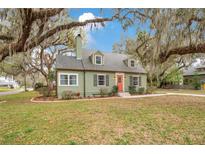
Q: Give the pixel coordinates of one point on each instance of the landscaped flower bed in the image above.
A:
(42, 98)
(52, 98)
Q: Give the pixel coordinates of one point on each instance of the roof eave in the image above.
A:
(74, 69)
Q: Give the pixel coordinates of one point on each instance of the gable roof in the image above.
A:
(112, 62)
(98, 53)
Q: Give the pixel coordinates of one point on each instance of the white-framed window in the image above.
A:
(132, 63)
(68, 79)
(73, 80)
(135, 81)
(63, 79)
(101, 80)
(98, 59)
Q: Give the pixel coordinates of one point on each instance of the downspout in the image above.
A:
(84, 85)
(56, 83)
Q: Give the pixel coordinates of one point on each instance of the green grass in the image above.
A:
(156, 120)
(186, 91)
(5, 89)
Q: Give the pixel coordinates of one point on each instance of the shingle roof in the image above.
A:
(112, 62)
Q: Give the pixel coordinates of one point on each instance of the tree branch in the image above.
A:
(28, 17)
(42, 13)
(199, 48)
(64, 27)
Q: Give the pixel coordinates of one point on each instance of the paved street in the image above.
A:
(11, 92)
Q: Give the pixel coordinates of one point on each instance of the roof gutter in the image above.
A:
(74, 69)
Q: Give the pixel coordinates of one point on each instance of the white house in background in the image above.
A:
(8, 82)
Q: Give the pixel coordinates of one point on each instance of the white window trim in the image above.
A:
(76, 80)
(68, 74)
(104, 82)
(60, 79)
(101, 59)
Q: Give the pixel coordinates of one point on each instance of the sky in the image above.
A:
(102, 38)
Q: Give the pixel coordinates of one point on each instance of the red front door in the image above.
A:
(120, 83)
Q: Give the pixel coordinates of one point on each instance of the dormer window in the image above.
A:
(98, 59)
(132, 63)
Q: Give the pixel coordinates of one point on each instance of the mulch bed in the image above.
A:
(42, 98)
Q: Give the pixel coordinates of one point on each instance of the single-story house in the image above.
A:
(6, 81)
(89, 71)
(194, 73)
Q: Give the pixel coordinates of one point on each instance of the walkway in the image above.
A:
(11, 92)
(166, 94)
(184, 94)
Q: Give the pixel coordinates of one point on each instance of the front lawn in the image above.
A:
(154, 120)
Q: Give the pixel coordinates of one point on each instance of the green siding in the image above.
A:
(91, 89)
(89, 82)
(143, 81)
(78, 88)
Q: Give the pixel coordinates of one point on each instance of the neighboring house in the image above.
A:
(194, 73)
(88, 72)
(8, 82)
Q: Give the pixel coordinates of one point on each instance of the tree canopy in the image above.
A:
(174, 31)
(165, 38)
(24, 29)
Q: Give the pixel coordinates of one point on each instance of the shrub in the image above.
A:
(78, 94)
(132, 90)
(115, 89)
(150, 90)
(196, 85)
(44, 91)
(38, 85)
(67, 94)
(103, 91)
(110, 94)
(141, 90)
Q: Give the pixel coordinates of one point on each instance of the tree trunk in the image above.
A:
(50, 88)
(150, 80)
(49, 85)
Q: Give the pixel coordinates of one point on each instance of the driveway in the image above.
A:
(11, 92)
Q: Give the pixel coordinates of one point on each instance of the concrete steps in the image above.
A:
(124, 94)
